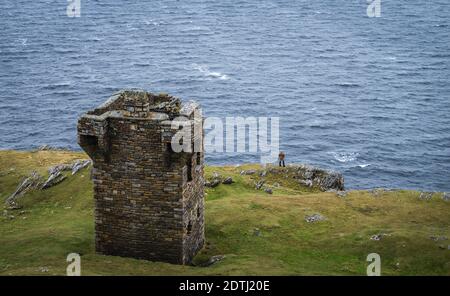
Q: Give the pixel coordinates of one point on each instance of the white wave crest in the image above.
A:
(345, 156)
(205, 70)
(363, 165)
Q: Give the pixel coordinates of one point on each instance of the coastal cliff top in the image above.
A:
(259, 221)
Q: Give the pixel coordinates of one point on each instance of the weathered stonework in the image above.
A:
(149, 200)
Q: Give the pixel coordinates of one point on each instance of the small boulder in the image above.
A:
(212, 183)
(259, 184)
(45, 148)
(248, 172)
(306, 183)
(227, 181)
(376, 192)
(437, 238)
(314, 218)
(341, 194)
(268, 191)
(379, 236)
(446, 196)
(213, 260)
(425, 195)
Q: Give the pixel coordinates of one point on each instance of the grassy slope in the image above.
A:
(59, 221)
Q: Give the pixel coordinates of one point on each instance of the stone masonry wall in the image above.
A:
(149, 200)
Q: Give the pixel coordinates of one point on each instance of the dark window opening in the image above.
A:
(189, 169)
(168, 155)
(89, 140)
(89, 143)
(189, 228)
(198, 158)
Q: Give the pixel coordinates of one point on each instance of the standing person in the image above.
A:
(281, 157)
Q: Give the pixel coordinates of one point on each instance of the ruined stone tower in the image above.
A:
(149, 200)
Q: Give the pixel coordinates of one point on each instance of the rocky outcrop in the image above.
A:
(331, 180)
(248, 172)
(54, 178)
(311, 177)
(36, 181)
(217, 179)
(425, 195)
(33, 181)
(79, 165)
(56, 175)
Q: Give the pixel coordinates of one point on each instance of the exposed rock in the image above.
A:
(438, 238)
(213, 260)
(375, 237)
(56, 175)
(310, 176)
(59, 168)
(307, 183)
(376, 192)
(248, 172)
(45, 148)
(333, 180)
(263, 173)
(212, 183)
(259, 184)
(341, 194)
(55, 178)
(256, 232)
(268, 191)
(79, 165)
(216, 175)
(314, 218)
(446, 196)
(425, 195)
(43, 269)
(227, 181)
(379, 236)
(31, 182)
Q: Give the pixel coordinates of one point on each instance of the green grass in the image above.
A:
(59, 221)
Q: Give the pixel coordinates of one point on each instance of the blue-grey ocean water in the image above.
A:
(366, 96)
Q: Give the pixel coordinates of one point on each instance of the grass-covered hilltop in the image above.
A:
(264, 223)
